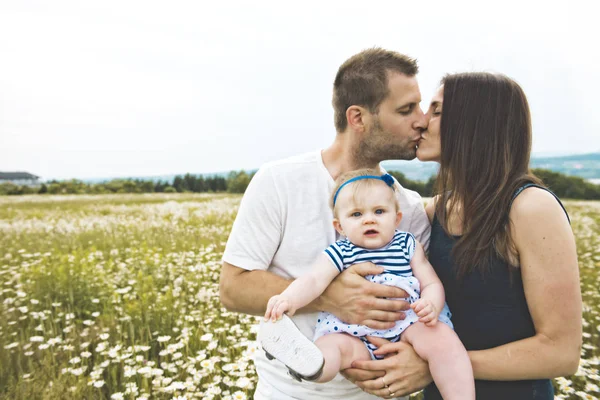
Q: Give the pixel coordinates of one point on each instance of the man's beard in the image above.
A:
(378, 145)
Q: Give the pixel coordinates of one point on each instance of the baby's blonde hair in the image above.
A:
(358, 185)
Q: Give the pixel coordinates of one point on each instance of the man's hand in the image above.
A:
(403, 370)
(355, 300)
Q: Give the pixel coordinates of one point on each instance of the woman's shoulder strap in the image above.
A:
(528, 185)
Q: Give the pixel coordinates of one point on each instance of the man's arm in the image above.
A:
(350, 297)
(248, 291)
(304, 289)
(246, 284)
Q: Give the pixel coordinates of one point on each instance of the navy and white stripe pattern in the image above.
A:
(394, 257)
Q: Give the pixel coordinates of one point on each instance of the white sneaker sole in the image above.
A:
(284, 341)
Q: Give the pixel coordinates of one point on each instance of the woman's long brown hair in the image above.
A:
(486, 145)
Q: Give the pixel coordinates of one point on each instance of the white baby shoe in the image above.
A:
(284, 341)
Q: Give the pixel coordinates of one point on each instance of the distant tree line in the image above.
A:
(567, 187)
(564, 186)
(235, 182)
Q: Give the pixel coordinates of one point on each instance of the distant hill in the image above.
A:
(414, 169)
(586, 166)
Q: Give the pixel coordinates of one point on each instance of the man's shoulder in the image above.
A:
(294, 164)
(295, 161)
(408, 198)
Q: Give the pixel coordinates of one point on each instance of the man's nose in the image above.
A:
(421, 121)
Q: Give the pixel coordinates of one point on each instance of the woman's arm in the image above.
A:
(550, 273)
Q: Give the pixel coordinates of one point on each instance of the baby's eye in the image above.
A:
(379, 211)
(356, 214)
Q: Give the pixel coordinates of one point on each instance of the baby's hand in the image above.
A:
(426, 311)
(276, 306)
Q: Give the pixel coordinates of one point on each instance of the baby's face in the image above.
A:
(368, 218)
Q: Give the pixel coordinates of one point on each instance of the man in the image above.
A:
(284, 220)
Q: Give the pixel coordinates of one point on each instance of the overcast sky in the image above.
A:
(140, 88)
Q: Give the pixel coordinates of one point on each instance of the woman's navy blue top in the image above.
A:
(488, 310)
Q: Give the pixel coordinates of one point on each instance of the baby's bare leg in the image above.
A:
(449, 362)
(339, 350)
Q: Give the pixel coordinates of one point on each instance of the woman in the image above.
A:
(501, 244)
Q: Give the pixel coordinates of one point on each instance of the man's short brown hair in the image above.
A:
(363, 80)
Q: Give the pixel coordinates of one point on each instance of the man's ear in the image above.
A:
(398, 218)
(358, 118)
(338, 227)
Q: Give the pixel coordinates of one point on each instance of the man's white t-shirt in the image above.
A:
(284, 222)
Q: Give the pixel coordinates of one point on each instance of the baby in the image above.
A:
(366, 212)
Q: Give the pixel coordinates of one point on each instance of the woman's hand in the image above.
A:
(355, 300)
(276, 306)
(402, 370)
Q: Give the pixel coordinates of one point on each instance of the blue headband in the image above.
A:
(387, 178)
